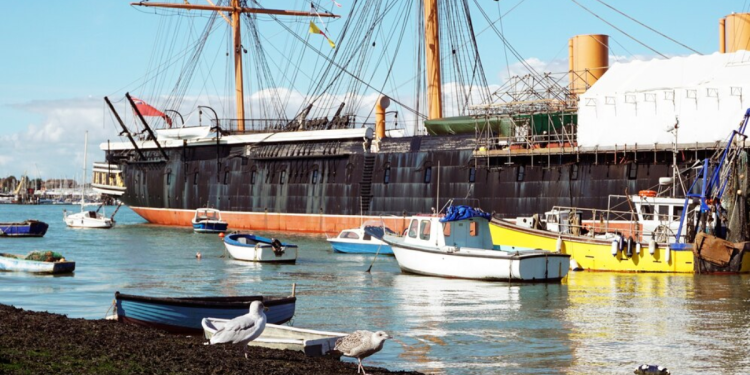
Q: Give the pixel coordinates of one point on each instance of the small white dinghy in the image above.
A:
(252, 248)
(312, 343)
(460, 245)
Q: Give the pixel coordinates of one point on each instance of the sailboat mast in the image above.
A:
(432, 59)
(83, 180)
(238, 86)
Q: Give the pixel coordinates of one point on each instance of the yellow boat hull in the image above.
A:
(596, 255)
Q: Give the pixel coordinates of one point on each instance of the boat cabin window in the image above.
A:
(663, 212)
(252, 177)
(447, 229)
(349, 235)
(314, 176)
(677, 212)
(424, 230)
(648, 213)
(552, 219)
(367, 237)
(473, 229)
(413, 229)
(387, 175)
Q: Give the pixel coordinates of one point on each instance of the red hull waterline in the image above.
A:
(269, 221)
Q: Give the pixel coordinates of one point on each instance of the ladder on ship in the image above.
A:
(365, 187)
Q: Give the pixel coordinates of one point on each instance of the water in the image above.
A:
(592, 323)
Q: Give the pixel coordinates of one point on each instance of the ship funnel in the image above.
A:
(382, 103)
(589, 59)
(734, 33)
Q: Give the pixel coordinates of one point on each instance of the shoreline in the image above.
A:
(42, 342)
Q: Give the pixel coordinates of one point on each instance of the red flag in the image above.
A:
(147, 110)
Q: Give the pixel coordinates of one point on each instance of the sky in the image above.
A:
(60, 58)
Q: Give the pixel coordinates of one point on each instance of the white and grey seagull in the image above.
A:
(244, 328)
(361, 344)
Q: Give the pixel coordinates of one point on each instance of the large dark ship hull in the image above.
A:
(328, 186)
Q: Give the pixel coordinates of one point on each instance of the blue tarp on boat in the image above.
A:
(456, 213)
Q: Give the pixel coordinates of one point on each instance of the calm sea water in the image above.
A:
(592, 323)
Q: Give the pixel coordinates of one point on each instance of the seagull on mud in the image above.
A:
(360, 345)
(244, 328)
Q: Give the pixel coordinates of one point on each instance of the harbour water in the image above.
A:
(604, 323)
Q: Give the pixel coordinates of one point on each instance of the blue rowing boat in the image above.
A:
(19, 263)
(184, 314)
(28, 228)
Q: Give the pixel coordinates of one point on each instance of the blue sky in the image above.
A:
(59, 58)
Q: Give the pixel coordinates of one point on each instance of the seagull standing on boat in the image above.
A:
(361, 344)
(243, 329)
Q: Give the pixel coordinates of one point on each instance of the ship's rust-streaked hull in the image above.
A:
(304, 223)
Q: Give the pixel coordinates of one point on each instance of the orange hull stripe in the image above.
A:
(302, 223)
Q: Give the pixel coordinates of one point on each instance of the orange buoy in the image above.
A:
(647, 193)
(221, 234)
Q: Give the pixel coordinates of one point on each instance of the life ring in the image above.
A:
(647, 193)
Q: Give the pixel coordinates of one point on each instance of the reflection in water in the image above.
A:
(592, 323)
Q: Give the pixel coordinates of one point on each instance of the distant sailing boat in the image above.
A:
(87, 219)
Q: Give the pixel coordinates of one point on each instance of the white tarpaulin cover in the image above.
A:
(635, 102)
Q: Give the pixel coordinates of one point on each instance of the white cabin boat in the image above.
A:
(208, 220)
(359, 241)
(460, 245)
(85, 218)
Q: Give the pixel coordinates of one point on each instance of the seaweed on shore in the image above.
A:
(41, 342)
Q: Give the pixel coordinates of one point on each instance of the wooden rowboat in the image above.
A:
(312, 343)
(252, 248)
(13, 262)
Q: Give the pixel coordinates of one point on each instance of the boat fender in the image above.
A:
(652, 247)
(629, 247)
(638, 248)
(667, 253)
(621, 242)
(559, 244)
(615, 247)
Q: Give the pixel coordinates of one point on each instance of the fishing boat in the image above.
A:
(459, 245)
(36, 262)
(184, 314)
(358, 241)
(311, 342)
(28, 228)
(87, 218)
(208, 220)
(252, 248)
(702, 232)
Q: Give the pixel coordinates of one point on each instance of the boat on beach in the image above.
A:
(28, 228)
(36, 262)
(208, 220)
(363, 240)
(184, 314)
(311, 342)
(253, 248)
(459, 245)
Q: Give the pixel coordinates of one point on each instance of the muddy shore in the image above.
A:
(45, 343)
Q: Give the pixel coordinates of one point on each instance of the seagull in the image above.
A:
(361, 344)
(244, 328)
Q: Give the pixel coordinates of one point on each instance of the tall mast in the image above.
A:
(238, 86)
(432, 58)
(236, 10)
(83, 181)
